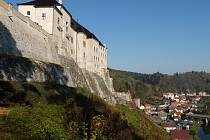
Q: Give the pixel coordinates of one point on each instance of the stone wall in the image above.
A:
(21, 37)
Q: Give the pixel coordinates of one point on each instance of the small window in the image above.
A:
(84, 44)
(58, 20)
(43, 16)
(28, 13)
(67, 26)
(72, 52)
(72, 40)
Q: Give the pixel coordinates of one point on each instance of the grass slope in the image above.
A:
(50, 111)
(145, 127)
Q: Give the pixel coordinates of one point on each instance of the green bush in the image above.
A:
(40, 122)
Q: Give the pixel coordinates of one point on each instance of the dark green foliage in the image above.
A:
(40, 122)
(206, 102)
(208, 108)
(144, 85)
(125, 81)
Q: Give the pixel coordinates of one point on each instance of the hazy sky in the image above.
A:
(149, 35)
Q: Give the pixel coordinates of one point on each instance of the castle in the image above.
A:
(71, 39)
(60, 50)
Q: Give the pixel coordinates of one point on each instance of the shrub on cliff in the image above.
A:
(40, 122)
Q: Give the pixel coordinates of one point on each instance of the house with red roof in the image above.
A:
(168, 126)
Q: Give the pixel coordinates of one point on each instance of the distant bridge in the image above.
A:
(199, 116)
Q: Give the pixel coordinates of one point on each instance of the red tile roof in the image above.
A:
(147, 106)
(180, 135)
(174, 104)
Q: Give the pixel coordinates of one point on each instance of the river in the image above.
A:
(204, 133)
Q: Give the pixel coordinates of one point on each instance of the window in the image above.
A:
(28, 13)
(72, 40)
(43, 16)
(58, 21)
(67, 26)
(84, 44)
(72, 52)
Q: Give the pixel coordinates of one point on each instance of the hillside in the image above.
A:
(50, 111)
(155, 84)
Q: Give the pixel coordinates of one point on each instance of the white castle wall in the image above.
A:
(86, 51)
(30, 39)
(47, 23)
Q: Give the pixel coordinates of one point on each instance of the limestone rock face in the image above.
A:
(24, 69)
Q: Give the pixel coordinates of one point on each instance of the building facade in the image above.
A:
(72, 40)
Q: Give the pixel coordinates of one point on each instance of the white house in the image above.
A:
(169, 126)
(169, 95)
(72, 40)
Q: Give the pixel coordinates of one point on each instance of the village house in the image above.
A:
(179, 109)
(163, 116)
(142, 107)
(173, 106)
(203, 94)
(147, 106)
(196, 98)
(184, 125)
(176, 115)
(169, 95)
(169, 126)
(177, 98)
(183, 99)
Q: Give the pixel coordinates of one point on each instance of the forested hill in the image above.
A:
(157, 83)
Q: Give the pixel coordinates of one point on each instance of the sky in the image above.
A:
(148, 36)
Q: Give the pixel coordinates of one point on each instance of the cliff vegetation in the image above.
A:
(51, 111)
